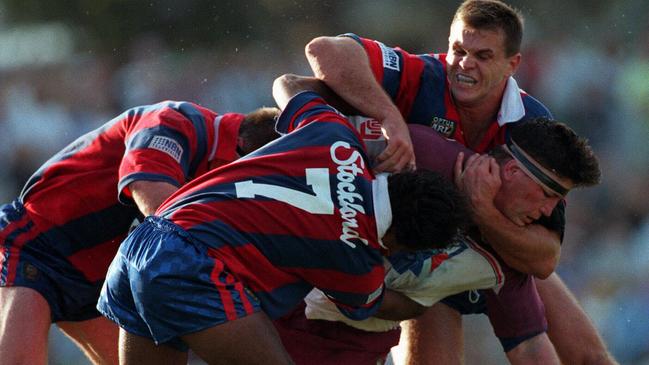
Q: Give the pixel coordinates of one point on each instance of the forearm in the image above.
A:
(532, 249)
(343, 65)
(148, 195)
(397, 307)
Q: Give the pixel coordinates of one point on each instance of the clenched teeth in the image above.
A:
(465, 79)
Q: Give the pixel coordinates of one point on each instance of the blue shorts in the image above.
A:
(163, 285)
(468, 302)
(27, 260)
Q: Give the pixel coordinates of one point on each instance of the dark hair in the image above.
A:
(427, 209)
(258, 128)
(558, 148)
(494, 15)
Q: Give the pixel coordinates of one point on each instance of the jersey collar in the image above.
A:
(382, 208)
(511, 107)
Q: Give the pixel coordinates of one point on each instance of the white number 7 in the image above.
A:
(318, 179)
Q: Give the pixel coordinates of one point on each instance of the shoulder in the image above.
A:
(533, 107)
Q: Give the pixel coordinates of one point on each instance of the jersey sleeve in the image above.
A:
(429, 276)
(164, 142)
(305, 108)
(397, 71)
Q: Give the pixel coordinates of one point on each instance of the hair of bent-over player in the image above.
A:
(427, 209)
(494, 15)
(258, 128)
(557, 148)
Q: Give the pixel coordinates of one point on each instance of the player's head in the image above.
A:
(484, 50)
(427, 210)
(496, 16)
(540, 162)
(257, 129)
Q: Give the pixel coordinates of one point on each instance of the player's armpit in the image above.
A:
(148, 195)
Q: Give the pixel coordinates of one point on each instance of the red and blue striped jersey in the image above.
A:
(418, 86)
(81, 195)
(296, 214)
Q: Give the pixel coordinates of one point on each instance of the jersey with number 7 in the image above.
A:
(297, 213)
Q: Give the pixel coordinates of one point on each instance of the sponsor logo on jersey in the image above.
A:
(30, 271)
(350, 202)
(444, 126)
(371, 129)
(390, 57)
(168, 146)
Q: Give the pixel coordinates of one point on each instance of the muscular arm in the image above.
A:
(396, 306)
(148, 195)
(343, 65)
(569, 328)
(435, 337)
(531, 249)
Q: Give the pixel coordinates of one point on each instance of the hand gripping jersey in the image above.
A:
(298, 213)
(75, 210)
(418, 86)
(301, 212)
(426, 276)
(515, 308)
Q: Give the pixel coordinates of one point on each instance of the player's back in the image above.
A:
(295, 214)
(74, 197)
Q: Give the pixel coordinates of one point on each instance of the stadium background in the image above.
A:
(68, 66)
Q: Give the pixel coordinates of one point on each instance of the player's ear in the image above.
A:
(509, 169)
(514, 62)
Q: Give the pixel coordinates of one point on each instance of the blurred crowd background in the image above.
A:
(67, 67)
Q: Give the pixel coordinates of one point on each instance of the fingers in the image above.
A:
(457, 169)
(395, 162)
(494, 167)
(397, 156)
(477, 163)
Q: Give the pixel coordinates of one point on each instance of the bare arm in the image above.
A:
(435, 337)
(396, 306)
(148, 195)
(569, 328)
(343, 65)
(531, 249)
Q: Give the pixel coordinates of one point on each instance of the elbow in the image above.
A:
(543, 270)
(289, 85)
(319, 47)
(323, 54)
(280, 90)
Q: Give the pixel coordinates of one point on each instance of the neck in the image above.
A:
(475, 123)
(476, 118)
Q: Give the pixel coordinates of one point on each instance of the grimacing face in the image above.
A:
(520, 198)
(477, 67)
